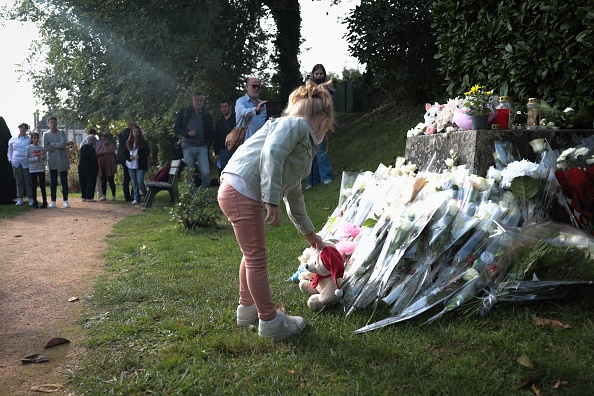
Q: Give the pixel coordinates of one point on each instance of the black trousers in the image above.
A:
(126, 185)
(38, 176)
(87, 178)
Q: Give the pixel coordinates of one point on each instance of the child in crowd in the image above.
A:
(36, 159)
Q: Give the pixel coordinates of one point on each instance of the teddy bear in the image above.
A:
(323, 278)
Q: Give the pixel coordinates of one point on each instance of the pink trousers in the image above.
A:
(247, 217)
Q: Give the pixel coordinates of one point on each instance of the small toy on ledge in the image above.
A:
(322, 280)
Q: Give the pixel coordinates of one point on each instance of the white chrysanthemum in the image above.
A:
(519, 168)
(538, 145)
(494, 174)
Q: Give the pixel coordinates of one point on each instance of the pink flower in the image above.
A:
(431, 129)
(350, 230)
(346, 247)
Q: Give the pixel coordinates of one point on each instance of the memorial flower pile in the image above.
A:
(433, 242)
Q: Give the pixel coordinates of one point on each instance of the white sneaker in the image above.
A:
(66, 205)
(247, 316)
(102, 198)
(327, 182)
(84, 200)
(307, 187)
(135, 202)
(19, 202)
(113, 197)
(52, 205)
(286, 326)
(31, 201)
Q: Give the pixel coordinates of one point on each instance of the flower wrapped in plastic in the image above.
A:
(540, 261)
(575, 175)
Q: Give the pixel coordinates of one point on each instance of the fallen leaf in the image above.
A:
(291, 372)
(559, 384)
(47, 388)
(35, 358)
(18, 236)
(280, 307)
(302, 381)
(525, 361)
(71, 299)
(526, 382)
(550, 322)
(56, 341)
(535, 390)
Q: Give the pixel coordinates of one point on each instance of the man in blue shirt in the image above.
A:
(250, 107)
(194, 126)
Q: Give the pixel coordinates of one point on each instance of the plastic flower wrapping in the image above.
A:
(433, 242)
(575, 174)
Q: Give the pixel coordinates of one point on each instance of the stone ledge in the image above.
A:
(475, 148)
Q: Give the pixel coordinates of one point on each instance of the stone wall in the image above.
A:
(475, 148)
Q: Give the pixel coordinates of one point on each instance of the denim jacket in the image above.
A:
(274, 161)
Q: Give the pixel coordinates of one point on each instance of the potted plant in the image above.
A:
(480, 106)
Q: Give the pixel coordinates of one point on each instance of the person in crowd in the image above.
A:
(137, 153)
(224, 125)
(107, 166)
(93, 132)
(267, 167)
(17, 156)
(87, 169)
(121, 159)
(194, 125)
(55, 144)
(36, 160)
(249, 108)
(321, 170)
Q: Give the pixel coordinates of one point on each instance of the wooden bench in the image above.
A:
(170, 185)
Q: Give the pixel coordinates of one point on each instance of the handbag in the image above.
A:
(235, 138)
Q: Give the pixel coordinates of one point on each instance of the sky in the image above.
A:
(321, 31)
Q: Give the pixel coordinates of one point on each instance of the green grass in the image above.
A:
(162, 317)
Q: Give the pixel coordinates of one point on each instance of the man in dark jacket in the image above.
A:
(224, 125)
(194, 125)
(122, 138)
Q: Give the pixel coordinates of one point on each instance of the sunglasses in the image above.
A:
(255, 86)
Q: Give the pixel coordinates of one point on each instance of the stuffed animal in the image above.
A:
(322, 282)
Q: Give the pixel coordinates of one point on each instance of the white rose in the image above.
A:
(494, 174)
(449, 162)
(538, 145)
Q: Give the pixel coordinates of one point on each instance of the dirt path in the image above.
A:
(46, 257)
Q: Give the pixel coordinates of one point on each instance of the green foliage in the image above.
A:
(524, 187)
(394, 39)
(196, 210)
(526, 48)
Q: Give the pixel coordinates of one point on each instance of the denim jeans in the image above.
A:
(199, 155)
(137, 178)
(321, 169)
(54, 184)
(224, 157)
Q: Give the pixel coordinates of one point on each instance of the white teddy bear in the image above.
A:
(325, 269)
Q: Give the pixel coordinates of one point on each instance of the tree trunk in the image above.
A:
(287, 15)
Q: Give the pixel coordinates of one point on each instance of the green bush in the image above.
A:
(198, 210)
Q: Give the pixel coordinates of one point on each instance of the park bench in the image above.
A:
(170, 185)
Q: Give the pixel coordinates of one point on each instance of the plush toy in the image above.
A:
(322, 282)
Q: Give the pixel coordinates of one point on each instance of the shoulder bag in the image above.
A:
(235, 138)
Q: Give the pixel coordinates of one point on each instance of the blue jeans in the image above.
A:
(197, 155)
(321, 168)
(224, 157)
(54, 184)
(137, 178)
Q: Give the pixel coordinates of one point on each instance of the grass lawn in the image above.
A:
(162, 317)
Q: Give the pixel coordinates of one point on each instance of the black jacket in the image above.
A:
(183, 118)
(222, 129)
(122, 139)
